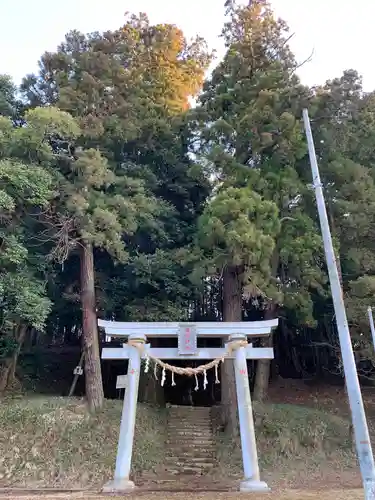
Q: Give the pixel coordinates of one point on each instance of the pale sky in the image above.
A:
(340, 32)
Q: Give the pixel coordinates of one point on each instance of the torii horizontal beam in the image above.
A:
(203, 329)
(170, 353)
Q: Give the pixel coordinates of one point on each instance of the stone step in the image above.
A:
(191, 425)
(189, 470)
(191, 443)
(178, 472)
(190, 453)
(189, 440)
(189, 408)
(192, 449)
(180, 434)
(173, 452)
(197, 435)
(189, 428)
(184, 454)
(190, 414)
(190, 436)
(179, 412)
(189, 419)
(199, 460)
(189, 459)
(188, 447)
(191, 432)
(196, 451)
(194, 461)
(192, 422)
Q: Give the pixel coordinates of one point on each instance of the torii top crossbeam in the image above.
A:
(203, 329)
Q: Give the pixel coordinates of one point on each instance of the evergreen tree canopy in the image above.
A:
(118, 197)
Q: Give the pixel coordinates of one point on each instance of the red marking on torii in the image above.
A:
(132, 371)
(243, 371)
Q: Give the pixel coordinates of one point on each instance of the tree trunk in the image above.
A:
(263, 369)
(8, 370)
(90, 338)
(232, 311)
(263, 366)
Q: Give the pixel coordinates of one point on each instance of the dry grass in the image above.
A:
(54, 442)
(297, 445)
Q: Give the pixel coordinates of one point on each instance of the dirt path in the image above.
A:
(285, 495)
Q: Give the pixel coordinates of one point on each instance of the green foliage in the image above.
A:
(26, 189)
(360, 296)
(109, 153)
(50, 122)
(343, 120)
(127, 182)
(255, 141)
(238, 228)
(23, 189)
(8, 102)
(25, 299)
(7, 346)
(23, 183)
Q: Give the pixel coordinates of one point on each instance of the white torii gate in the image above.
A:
(187, 334)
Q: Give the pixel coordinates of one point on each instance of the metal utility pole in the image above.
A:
(371, 319)
(361, 433)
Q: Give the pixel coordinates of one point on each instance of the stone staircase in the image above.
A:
(190, 446)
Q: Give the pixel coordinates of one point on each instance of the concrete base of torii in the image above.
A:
(249, 485)
(118, 486)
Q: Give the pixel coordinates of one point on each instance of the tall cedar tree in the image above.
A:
(126, 89)
(253, 103)
(237, 234)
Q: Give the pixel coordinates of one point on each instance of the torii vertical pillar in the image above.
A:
(251, 480)
(121, 481)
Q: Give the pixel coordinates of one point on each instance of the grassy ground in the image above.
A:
(298, 446)
(54, 442)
